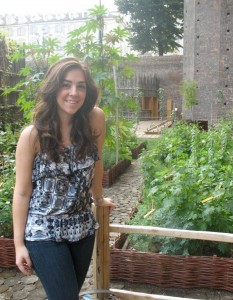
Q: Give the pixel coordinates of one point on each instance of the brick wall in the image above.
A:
(208, 56)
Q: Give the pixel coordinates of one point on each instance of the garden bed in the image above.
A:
(171, 271)
(111, 175)
(7, 253)
(188, 164)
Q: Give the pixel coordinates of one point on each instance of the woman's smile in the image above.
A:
(71, 101)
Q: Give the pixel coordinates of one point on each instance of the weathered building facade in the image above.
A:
(157, 78)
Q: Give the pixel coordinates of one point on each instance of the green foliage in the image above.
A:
(6, 223)
(150, 143)
(9, 76)
(101, 55)
(7, 47)
(127, 140)
(188, 90)
(162, 112)
(8, 141)
(39, 57)
(189, 181)
(104, 56)
(109, 158)
(155, 25)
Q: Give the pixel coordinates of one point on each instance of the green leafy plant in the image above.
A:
(107, 64)
(109, 158)
(7, 179)
(39, 56)
(189, 182)
(188, 89)
(162, 112)
(127, 141)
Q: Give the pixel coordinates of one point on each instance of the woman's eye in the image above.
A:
(82, 87)
(65, 85)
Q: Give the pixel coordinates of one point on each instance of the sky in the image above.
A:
(25, 7)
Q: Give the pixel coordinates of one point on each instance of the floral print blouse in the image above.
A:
(60, 204)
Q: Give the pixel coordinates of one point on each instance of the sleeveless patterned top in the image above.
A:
(60, 204)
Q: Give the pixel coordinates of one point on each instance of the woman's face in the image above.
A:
(72, 93)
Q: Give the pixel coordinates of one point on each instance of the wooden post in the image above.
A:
(102, 252)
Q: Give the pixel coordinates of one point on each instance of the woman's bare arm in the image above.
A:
(25, 154)
(98, 128)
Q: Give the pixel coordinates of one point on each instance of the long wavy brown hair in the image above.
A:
(46, 119)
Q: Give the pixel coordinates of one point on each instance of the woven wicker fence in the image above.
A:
(7, 253)
(112, 174)
(172, 271)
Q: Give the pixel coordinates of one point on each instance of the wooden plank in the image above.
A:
(99, 251)
(156, 128)
(129, 295)
(170, 232)
(155, 107)
(102, 251)
(106, 250)
(94, 255)
(169, 107)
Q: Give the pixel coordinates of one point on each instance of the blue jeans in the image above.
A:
(61, 266)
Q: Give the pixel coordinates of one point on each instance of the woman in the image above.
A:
(58, 176)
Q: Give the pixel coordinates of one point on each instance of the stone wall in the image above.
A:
(207, 59)
(208, 56)
(154, 72)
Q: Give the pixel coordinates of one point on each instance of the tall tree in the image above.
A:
(155, 25)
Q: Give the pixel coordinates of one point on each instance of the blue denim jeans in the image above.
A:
(61, 266)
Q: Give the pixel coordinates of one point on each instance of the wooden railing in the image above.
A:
(102, 253)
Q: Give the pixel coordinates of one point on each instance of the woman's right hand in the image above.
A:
(23, 260)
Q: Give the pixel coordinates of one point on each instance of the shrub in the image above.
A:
(7, 179)
(189, 181)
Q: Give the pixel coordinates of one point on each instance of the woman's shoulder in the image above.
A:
(28, 129)
(29, 132)
(29, 136)
(97, 113)
(97, 117)
(97, 120)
